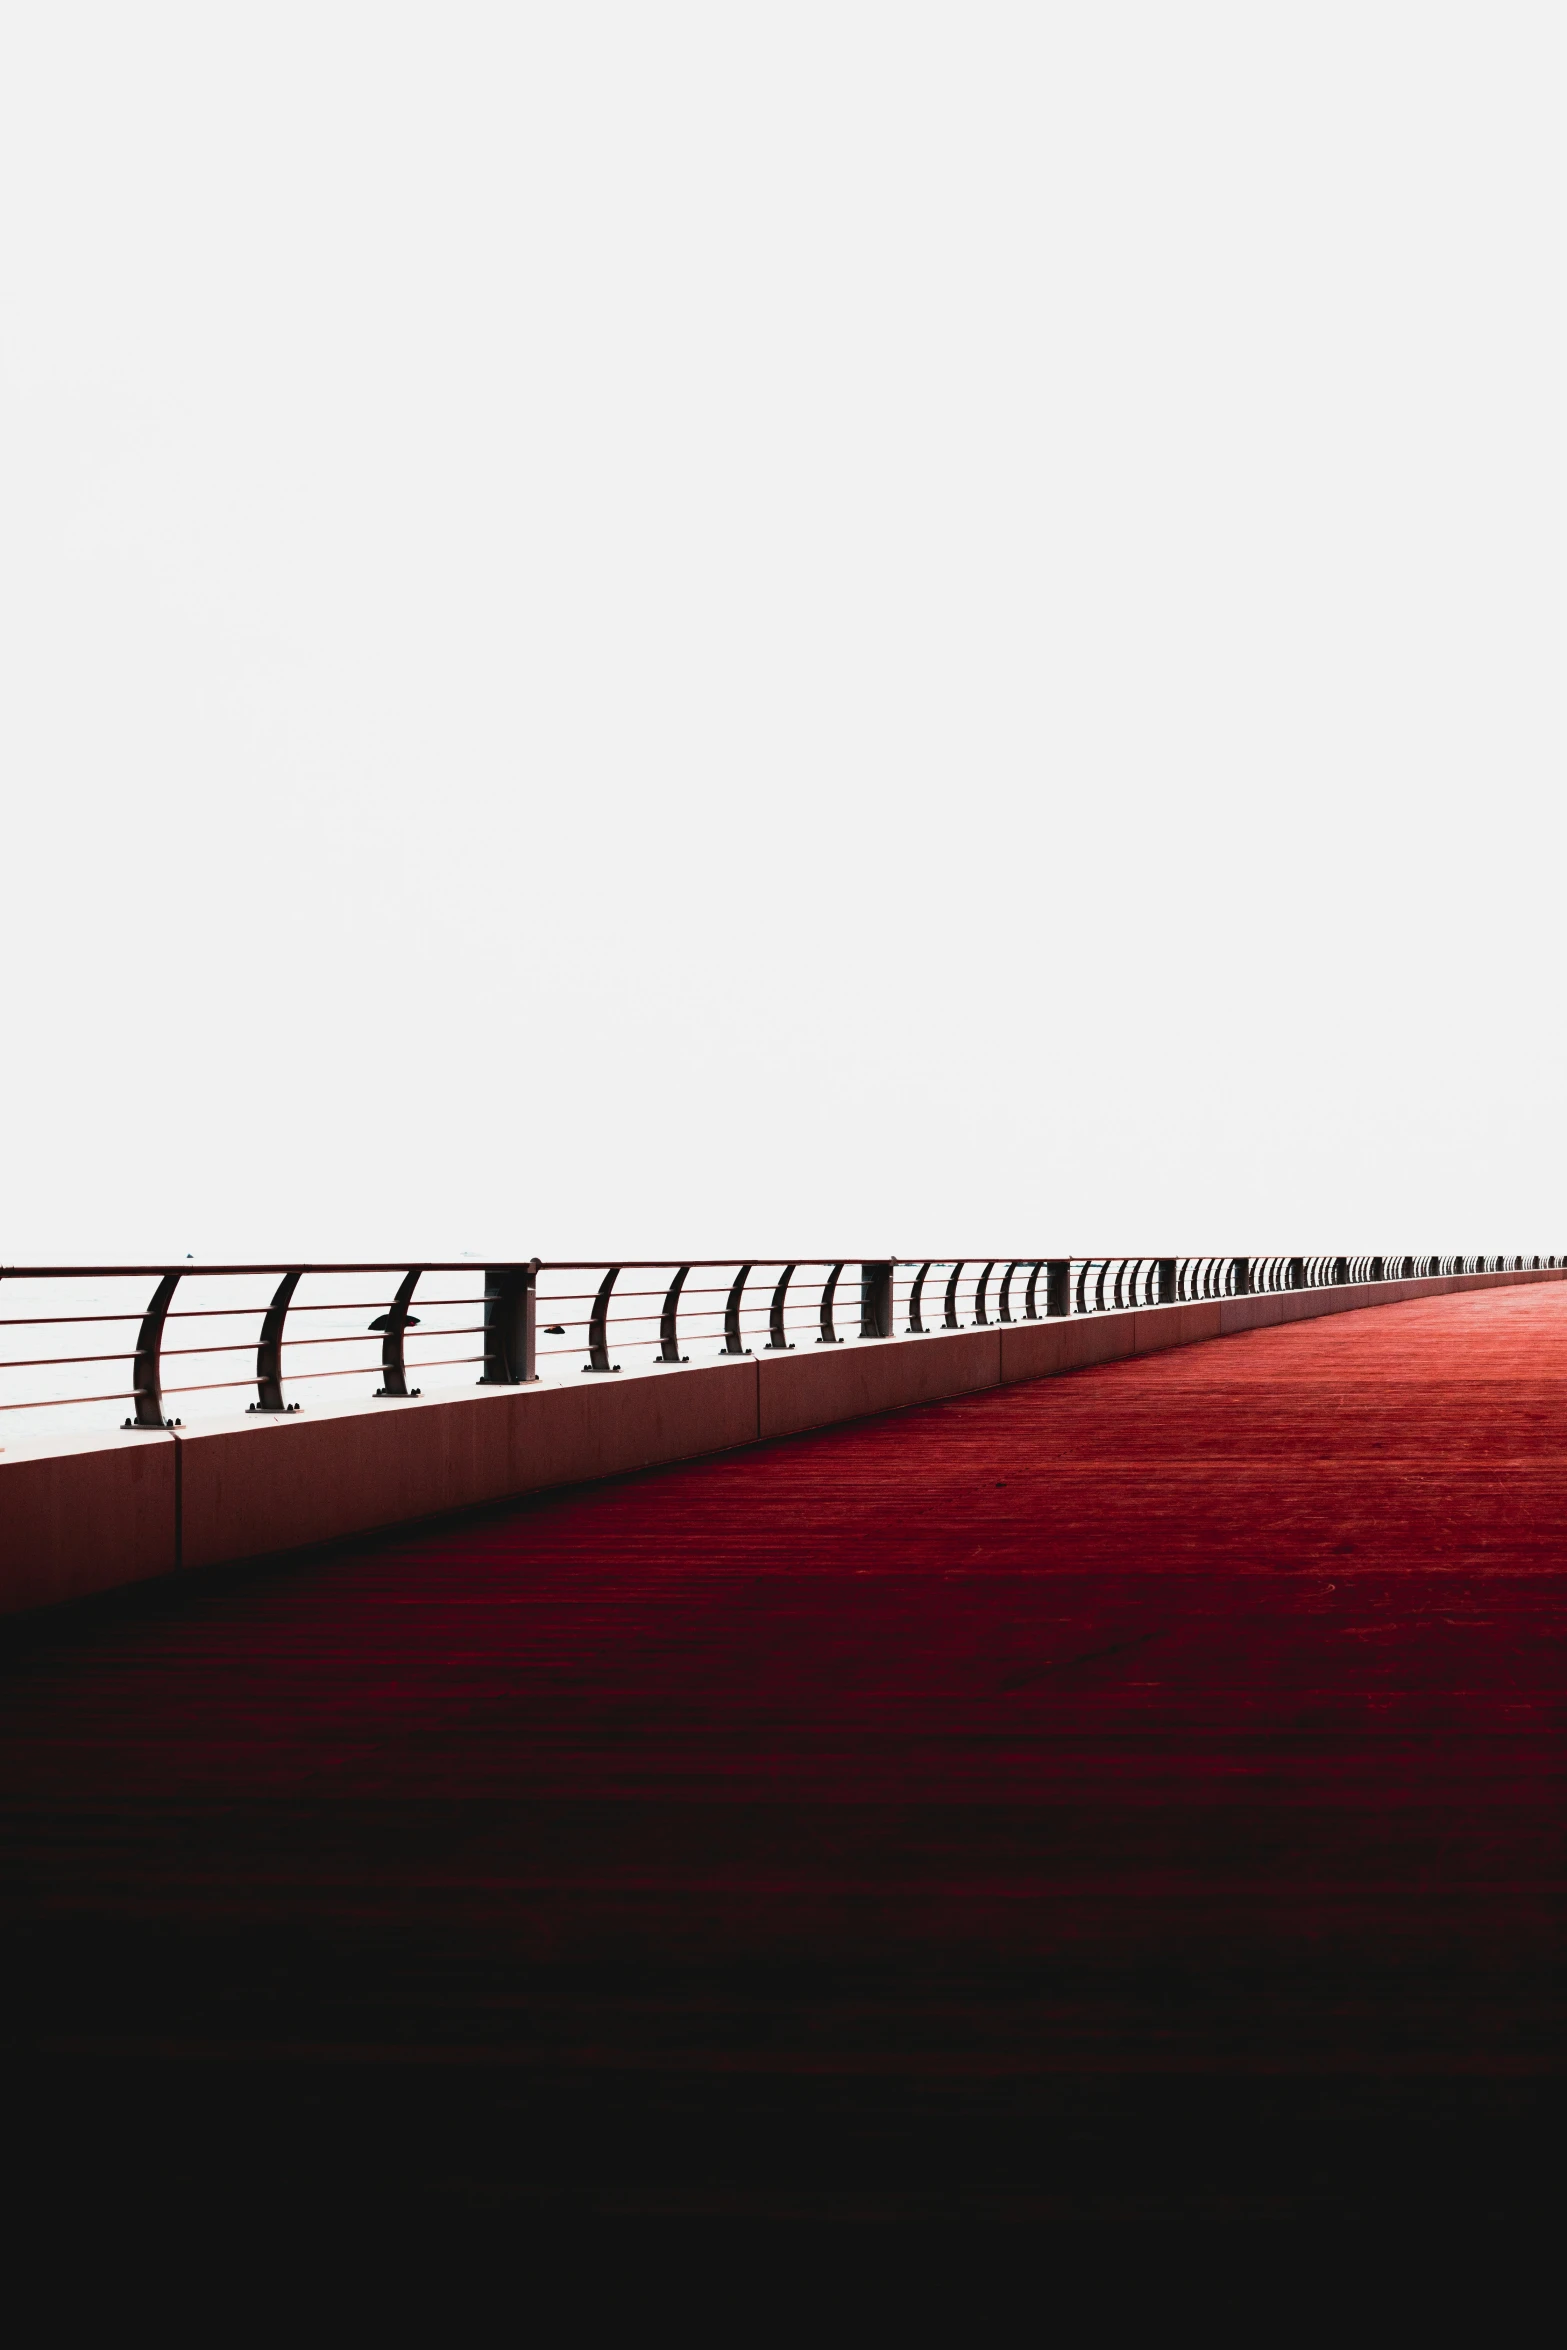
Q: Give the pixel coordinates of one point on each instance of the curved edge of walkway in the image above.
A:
(77, 1521)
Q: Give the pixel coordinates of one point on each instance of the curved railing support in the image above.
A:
(734, 1344)
(1128, 1274)
(669, 1321)
(1004, 1310)
(981, 1318)
(147, 1368)
(949, 1319)
(598, 1326)
(778, 1339)
(269, 1349)
(393, 1325)
(829, 1336)
(916, 1326)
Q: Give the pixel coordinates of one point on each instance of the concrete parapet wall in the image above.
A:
(74, 1520)
(1043, 1350)
(811, 1390)
(1160, 1326)
(280, 1484)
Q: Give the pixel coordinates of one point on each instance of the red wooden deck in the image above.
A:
(1138, 1792)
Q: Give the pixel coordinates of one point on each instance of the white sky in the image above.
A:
(679, 629)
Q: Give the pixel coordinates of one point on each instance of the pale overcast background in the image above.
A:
(663, 629)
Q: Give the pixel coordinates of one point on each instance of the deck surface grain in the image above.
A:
(1138, 1791)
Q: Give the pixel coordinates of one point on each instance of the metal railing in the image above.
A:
(264, 1328)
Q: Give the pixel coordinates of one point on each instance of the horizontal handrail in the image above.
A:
(770, 1304)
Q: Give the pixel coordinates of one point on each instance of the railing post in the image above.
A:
(269, 1352)
(829, 1335)
(598, 1326)
(1242, 1277)
(778, 1336)
(1166, 1289)
(393, 1324)
(981, 1318)
(669, 1322)
(147, 1369)
(1297, 1273)
(734, 1344)
(1058, 1286)
(876, 1299)
(510, 1325)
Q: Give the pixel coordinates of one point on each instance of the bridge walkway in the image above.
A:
(1142, 1791)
